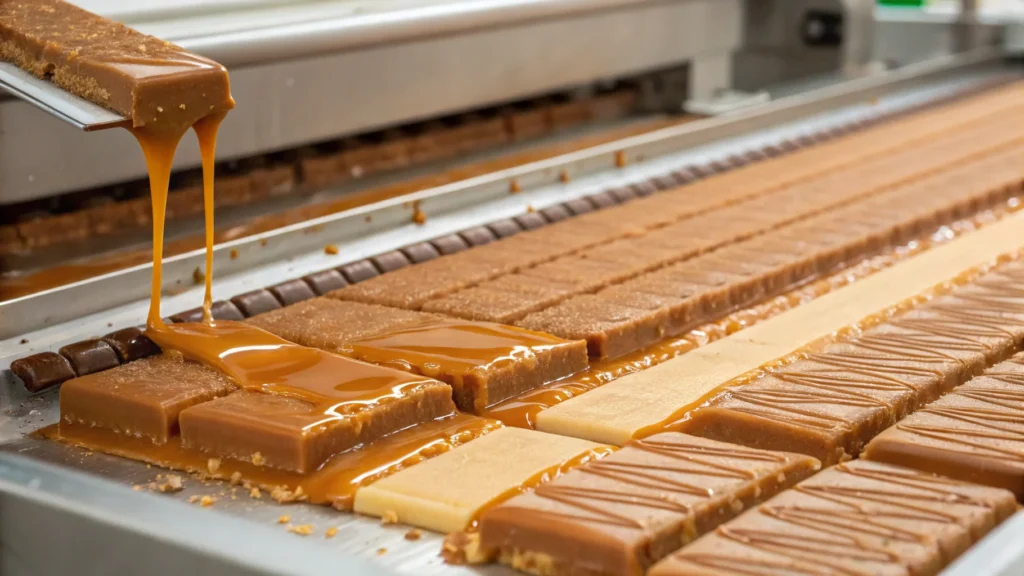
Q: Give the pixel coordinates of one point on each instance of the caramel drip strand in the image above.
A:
(206, 133)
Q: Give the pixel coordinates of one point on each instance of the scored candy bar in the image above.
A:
(619, 515)
(975, 433)
(856, 518)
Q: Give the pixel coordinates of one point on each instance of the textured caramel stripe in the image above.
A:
(616, 411)
(829, 404)
(975, 433)
(854, 519)
(633, 256)
(669, 301)
(407, 288)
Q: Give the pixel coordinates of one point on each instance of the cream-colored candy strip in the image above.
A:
(641, 402)
(447, 493)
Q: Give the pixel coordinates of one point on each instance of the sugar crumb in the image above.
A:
(382, 551)
(213, 464)
(331, 532)
(413, 534)
(284, 519)
(389, 517)
(257, 459)
(207, 501)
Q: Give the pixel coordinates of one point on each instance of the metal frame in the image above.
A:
(309, 71)
(46, 488)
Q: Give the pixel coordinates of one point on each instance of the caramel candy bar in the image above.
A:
(292, 434)
(484, 363)
(832, 403)
(857, 518)
(154, 83)
(142, 398)
(621, 514)
(973, 434)
(330, 324)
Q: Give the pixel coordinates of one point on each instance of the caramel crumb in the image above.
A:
(331, 532)
(173, 483)
(463, 548)
(257, 459)
(283, 495)
(413, 535)
(564, 176)
(213, 464)
(418, 217)
(301, 529)
(382, 551)
(389, 517)
(137, 487)
(24, 341)
(514, 187)
(263, 242)
(620, 159)
(198, 276)
(284, 519)
(530, 209)
(330, 249)
(206, 501)
(234, 254)
(368, 219)
(255, 493)
(236, 478)
(192, 499)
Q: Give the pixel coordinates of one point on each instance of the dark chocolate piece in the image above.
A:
(531, 220)
(602, 200)
(719, 166)
(684, 176)
(256, 302)
(131, 344)
(90, 356)
(43, 370)
(579, 206)
(505, 228)
(358, 271)
(666, 182)
(326, 281)
(390, 261)
(644, 188)
(420, 252)
(556, 213)
(193, 315)
(477, 236)
(622, 193)
(449, 244)
(291, 292)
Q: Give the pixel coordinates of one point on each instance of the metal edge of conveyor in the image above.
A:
(54, 520)
(371, 229)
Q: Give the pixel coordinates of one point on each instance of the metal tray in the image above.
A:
(63, 509)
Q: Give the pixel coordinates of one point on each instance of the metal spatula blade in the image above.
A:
(49, 97)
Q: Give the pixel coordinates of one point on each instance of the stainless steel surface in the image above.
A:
(57, 486)
(310, 71)
(49, 98)
(967, 34)
(858, 36)
(292, 250)
(999, 554)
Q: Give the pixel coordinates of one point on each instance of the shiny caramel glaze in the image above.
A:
(335, 483)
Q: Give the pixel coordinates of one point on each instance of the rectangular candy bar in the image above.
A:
(484, 363)
(832, 403)
(974, 434)
(292, 434)
(447, 492)
(856, 518)
(141, 398)
(621, 514)
(654, 397)
(153, 82)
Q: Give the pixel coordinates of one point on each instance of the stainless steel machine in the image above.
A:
(312, 71)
